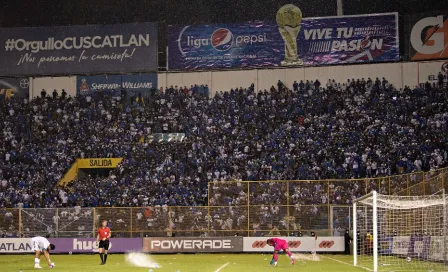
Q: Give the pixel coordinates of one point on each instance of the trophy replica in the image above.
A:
(289, 18)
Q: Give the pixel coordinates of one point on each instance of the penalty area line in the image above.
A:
(221, 267)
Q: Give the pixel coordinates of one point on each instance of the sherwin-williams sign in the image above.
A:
(121, 48)
(131, 83)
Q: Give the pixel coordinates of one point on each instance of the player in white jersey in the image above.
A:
(39, 245)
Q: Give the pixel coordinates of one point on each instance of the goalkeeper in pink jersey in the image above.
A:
(279, 244)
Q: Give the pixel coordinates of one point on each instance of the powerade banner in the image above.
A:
(14, 88)
(75, 245)
(132, 83)
(78, 49)
(314, 41)
(426, 36)
(192, 245)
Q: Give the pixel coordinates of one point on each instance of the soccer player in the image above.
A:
(41, 244)
(279, 244)
(103, 239)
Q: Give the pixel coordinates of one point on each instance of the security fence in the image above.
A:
(252, 208)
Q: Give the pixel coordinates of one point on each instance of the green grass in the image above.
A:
(179, 262)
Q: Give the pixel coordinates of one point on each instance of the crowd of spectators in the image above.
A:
(308, 131)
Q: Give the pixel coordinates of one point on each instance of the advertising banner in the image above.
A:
(89, 84)
(98, 162)
(78, 49)
(422, 247)
(192, 245)
(138, 83)
(311, 41)
(426, 36)
(165, 137)
(89, 245)
(400, 245)
(296, 244)
(15, 245)
(114, 83)
(75, 245)
(430, 72)
(14, 87)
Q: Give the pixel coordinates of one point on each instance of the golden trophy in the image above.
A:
(289, 18)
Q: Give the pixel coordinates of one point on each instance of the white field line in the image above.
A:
(221, 267)
(345, 263)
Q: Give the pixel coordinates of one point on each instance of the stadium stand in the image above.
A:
(308, 131)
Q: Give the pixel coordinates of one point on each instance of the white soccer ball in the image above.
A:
(51, 265)
(408, 259)
(70, 252)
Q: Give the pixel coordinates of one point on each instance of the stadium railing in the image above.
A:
(244, 208)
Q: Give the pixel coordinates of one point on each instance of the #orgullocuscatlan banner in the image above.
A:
(78, 49)
(290, 40)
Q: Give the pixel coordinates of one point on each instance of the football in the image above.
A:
(51, 265)
(408, 259)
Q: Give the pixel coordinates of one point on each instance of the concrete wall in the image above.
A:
(49, 84)
(398, 74)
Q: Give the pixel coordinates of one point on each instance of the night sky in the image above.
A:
(20, 13)
(26, 13)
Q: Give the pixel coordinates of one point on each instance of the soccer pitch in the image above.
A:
(181, 263)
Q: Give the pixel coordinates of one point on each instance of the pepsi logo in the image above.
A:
(365, 43)
(222, 39)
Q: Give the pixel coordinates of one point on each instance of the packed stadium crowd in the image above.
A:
(308, 131)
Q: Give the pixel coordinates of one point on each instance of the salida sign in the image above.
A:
(98, 162)
(228, 244)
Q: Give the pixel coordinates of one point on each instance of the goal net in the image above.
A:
(400, 233)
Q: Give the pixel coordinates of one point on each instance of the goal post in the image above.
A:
(400, 233)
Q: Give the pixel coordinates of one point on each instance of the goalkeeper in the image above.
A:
(279, 244)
